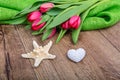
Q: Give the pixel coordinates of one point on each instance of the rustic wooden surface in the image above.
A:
(102, 61)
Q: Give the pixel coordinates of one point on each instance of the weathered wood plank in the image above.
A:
(3, 73)
(104, 53)
(113, 35)
(18, 68)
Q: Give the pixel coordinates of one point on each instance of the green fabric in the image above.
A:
(9, 8)
(103, 16)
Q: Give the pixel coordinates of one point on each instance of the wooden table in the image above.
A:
(102, 61)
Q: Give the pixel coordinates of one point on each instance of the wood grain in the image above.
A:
(17, 67)
(102, 61)
(3, 69)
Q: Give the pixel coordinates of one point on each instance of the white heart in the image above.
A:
(76, 55)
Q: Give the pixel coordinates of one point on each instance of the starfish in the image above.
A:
(39, 53)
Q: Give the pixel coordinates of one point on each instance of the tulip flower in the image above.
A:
(65, 25)
(35, 25)
(33, 16)
(46, 7)
(52, 33)
(74, 22)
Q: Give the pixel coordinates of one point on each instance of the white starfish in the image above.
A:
(39, 53)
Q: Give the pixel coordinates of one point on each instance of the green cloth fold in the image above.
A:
(9, 8)
(102, 16)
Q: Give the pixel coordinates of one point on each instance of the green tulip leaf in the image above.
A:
(46, 34)
(62, 33)
(28, 27)
(55, 11)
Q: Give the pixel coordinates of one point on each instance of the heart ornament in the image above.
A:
(76, 55)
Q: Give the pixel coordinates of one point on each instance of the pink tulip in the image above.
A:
(74, 22)
(33, 16)
(65, 25)
(52, 33)
(37, 27)
(46, 7)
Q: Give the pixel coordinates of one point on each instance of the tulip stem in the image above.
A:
(62, 32)
(47, 24)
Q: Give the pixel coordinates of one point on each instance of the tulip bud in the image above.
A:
(65, 25)
(52, 33)
(35, 25)
(33, 16)
(46, 7)
(74, 22)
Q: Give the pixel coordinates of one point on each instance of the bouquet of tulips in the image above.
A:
(50, 16)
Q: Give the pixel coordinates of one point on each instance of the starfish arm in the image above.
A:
(37, 62)
(35, 45)
(50, 56)
(25, 56)
(28, 55)
(48, 46)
